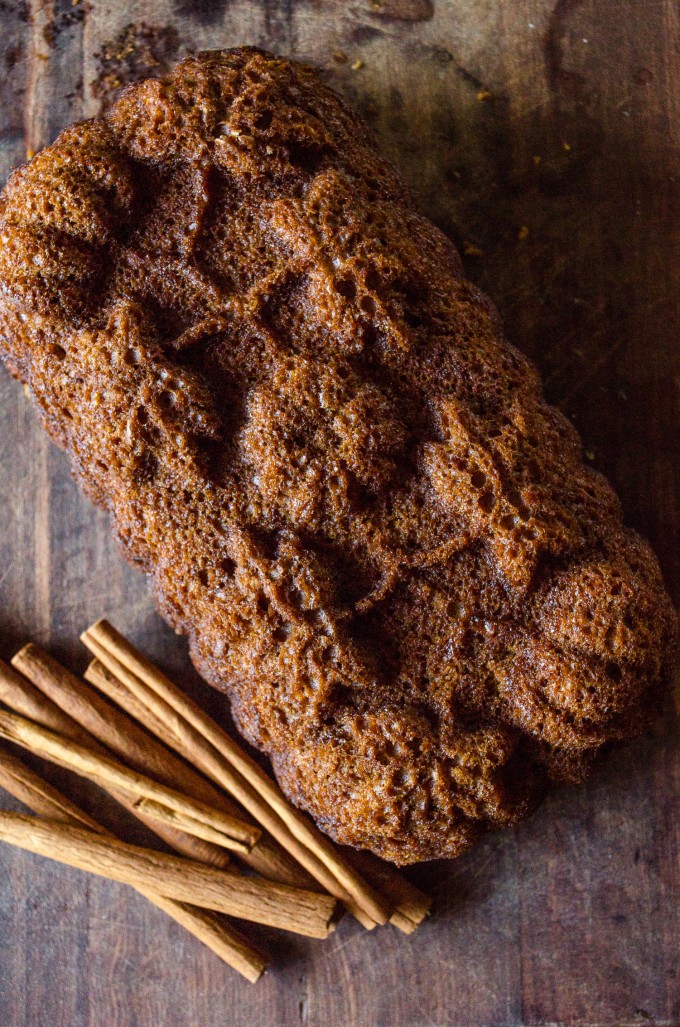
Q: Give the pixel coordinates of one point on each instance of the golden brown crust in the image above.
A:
(309, 430)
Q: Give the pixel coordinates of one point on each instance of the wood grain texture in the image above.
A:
(544, 137)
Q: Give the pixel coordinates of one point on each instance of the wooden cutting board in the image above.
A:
(544, 137)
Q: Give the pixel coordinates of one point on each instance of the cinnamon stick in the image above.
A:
(265, 902)
(227, 943)
(216, 765)
(121, 733)
(21, 696)
(40, 796)
(236, 834)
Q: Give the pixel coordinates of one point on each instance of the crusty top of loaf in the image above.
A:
(310, 432)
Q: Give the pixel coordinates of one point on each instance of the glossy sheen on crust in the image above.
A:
(310, 432)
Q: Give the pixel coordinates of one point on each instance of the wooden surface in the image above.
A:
(544, 136)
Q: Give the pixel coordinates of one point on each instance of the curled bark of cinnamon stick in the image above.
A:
(157, 811)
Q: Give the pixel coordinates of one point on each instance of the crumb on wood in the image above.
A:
(472, 250)
(63, 19)
(138, 51)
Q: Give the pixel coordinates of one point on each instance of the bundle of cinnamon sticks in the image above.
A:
(129, 729)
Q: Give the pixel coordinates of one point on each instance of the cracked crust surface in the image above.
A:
(344, 483)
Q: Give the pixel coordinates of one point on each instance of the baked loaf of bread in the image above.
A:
(309, 431)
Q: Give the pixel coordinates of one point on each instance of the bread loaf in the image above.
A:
(309, 431)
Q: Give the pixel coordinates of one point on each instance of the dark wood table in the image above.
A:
(544, 137)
